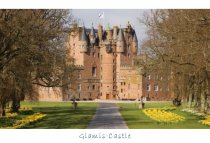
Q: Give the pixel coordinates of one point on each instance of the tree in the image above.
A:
(32, 51)
(178, 46)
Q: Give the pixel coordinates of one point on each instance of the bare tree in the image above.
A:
(32, 51)
(178, 46)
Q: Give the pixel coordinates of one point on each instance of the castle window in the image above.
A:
(101, 69)
(156, 87)
(94, 71)
(121, 90)
(79, 75)
(79, 87)
(93, 87)
(107, 88)
(128, 55)
(148, 87)
(148, 77)
(98, 55)
(93, 54)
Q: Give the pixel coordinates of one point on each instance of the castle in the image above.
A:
(105, 57)
(104, 61)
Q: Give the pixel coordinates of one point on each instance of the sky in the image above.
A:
(112, 17)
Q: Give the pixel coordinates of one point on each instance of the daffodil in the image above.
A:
(161, 115)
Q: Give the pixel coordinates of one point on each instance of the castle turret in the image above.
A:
(109, 33)
(100, 32)
(115, 33)
(134, 44)
(83, 41)
(120, 41)
(92, 36)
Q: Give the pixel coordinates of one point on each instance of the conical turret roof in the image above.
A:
(92, 31)
(135, 37)
(83, 35)
(121, 35)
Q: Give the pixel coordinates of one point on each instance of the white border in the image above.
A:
(73, 136)
(105, 4)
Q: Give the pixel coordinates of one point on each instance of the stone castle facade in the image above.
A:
(104, 61)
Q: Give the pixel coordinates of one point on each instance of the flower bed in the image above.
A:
(161, 115)
(27, 120)
(25, 109)
(206, 121)
(10, 115)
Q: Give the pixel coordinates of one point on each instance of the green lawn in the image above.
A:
(60, 115)
(136, 119)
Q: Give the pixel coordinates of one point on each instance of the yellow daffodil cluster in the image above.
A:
(27, 120)
(194, 112)
(25, 109)
(206, 121)
(160, 115)
(9, 115)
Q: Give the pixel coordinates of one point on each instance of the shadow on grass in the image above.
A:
(63, 117)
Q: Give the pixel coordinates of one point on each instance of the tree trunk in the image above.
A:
(1, 111)
(15, 102)
(189, 105)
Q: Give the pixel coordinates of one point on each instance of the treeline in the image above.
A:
(178, 46)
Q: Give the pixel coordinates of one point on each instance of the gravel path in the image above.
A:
(107, 117)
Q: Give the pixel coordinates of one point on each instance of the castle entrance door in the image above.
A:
(107, 96)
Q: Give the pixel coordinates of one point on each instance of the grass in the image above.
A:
(136, 119)
(60, 115)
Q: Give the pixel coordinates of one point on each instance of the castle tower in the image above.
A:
(100, 32)
(120, 42)
(134, 44)
(83, 41)
(92, 36)
(109, 34)
(115, 33)
(120, 46)
(106, 61)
